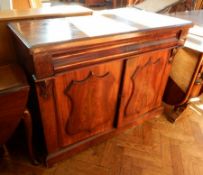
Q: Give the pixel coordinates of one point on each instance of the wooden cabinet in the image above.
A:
(92, 82)
(86, 101)
(142, 86)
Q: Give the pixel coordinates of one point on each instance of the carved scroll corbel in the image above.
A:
(45, 88)
(181, 36)
(172, 55)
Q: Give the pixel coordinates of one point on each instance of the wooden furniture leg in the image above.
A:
(27, 120)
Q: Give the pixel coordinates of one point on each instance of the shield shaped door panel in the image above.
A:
(86, 101)
(142, 85)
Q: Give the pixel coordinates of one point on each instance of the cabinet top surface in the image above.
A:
(55, 11)
(36, 33)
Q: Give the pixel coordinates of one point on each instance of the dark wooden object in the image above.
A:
(92, 83)
(186, 77)
(13, 99)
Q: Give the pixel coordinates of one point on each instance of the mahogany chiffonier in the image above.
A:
(96, 75)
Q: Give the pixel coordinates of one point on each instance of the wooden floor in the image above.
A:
(155, 148)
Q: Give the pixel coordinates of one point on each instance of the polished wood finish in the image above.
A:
(82, 74)
(51, 12)
(186, 76)
(7, 50)
(90, 86)
(143, 85)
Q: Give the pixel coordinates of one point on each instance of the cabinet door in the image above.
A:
(143, 85)
(86, 101)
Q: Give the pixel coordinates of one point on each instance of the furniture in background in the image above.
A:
(198, 4)
(154, 5)
(162, 6)
(19, 4)
(186, 77)
(13, 99)
(94, 2)
(92, 81)
(26, 4)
